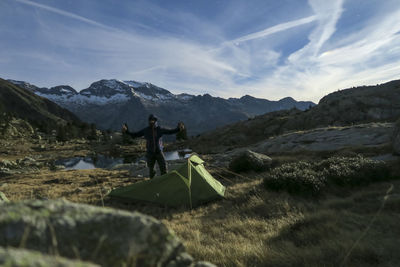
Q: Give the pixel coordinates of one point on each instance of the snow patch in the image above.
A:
(134, 83)
(84, 99)
(185, 97)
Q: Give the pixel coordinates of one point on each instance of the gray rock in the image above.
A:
(329, 139)
(396, 138)
(7, 172)
(203, 264)
(184, 259)
(102, 235)
(3, 197)
(8, 164)
(249, 160)
(26, 258)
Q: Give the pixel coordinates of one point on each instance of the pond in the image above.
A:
(105, 162)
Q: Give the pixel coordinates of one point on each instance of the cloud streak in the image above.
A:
(65, 14)
(274, 29)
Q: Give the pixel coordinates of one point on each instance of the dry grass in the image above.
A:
(251, 226)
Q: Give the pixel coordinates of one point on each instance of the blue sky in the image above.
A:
(266, 48)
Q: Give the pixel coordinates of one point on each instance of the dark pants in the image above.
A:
(151, 161)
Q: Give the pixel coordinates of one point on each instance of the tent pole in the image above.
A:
(190, 182)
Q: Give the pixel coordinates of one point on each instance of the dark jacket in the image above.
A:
(153, 137)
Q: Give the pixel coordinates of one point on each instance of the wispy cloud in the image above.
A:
(369, 57)
(274, 29)
(299, 56)
(65, 14)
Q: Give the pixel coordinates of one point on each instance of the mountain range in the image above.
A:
(40, 112)
(109, 103)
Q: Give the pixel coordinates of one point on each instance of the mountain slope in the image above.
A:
(363, 104)
(38, 111)
(109, 103)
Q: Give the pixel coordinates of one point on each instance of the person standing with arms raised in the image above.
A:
(154, 147)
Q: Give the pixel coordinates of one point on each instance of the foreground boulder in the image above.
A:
(101, 235)
(27, 258)
(396, 138)
(249, 161)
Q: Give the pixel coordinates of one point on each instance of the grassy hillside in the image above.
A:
(35, 109)
(16, 102)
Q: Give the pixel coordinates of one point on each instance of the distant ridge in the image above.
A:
(109, 103)
(364, 104)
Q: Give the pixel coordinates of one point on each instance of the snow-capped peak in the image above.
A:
(107, 92)
(134, 84)
(25, 85)
(63, 90)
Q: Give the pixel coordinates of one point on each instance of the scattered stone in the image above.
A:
(7, 172)
(203, 264)
(8, 164)
(3, 197)
(249, 160)
(105, 236)
(184, 259)
(121, 167)
(27, 161)
(78, 190)
(39, 148)
(59, 167)
(27, 258)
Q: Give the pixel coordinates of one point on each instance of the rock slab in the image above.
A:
(27, 258)
(249, 160)
(101, 235)
(329, 139)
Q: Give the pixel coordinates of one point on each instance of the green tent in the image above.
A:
(189, 185)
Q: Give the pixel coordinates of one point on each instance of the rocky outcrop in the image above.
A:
(249, 161)
(27, 258)
(396, 138)
(359, 104)
(105, 236)
(16, 128)
(329, 139)
(11, 167)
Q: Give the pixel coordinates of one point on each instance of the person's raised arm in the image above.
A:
(133, 135)
(170, 131)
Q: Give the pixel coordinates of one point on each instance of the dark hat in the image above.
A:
(152, 117)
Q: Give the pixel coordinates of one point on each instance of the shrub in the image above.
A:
(354, 171)
(310, 178)
(295, 178)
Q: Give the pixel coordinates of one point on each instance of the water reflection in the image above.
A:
(102, 161)
(179, 154)
(86, 163)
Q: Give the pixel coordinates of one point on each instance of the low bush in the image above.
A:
(295, 178)
(310, 178)
(354, 171)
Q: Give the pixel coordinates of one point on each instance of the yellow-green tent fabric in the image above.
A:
(189, 185)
